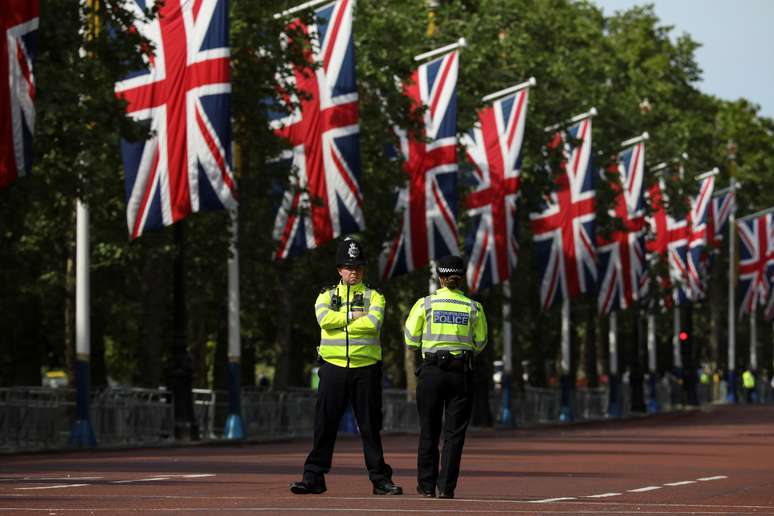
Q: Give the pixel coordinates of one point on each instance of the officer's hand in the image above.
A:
(356, 314)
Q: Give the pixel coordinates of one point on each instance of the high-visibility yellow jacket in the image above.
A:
(446, 320)
(748, 380)
(345, 342)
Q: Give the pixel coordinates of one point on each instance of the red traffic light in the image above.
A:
(683, 336)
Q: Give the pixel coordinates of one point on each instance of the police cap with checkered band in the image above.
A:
(450, 266)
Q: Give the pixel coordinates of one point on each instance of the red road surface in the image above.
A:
(719, 461)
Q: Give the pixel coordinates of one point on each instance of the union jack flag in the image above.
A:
(18, 33)
(756, 261)
(564, 230)
(324, 198)
(697, 257)
(669, 240)
(428, 204)
(723, 204)
(622, 265)
(184, 98)
(493, 146)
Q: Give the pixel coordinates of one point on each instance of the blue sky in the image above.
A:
(737, 56)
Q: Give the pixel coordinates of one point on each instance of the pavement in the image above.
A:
(714, 461)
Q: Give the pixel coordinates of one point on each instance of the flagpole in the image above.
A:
(731, 387)
(637, 139)
(179, 362)
(658, 169)
(565, 411)
(529, 83)
(82, 433)
(715, 171)
(653, 405)
(577, 118)
(614, 401)
(756, 215)
(299, 8)
(461, 43)
(753, 341)
(234, 428)
(505, 380)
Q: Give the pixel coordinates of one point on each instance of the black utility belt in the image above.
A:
(444, 355)
(445, 360)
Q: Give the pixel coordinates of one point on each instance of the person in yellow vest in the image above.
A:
(448, 328)
(748, 382)
(350, 315)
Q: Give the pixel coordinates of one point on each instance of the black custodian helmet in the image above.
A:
(350, 252)
(450, 266)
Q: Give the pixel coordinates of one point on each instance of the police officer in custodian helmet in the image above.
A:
(449, 329)
(350, 315)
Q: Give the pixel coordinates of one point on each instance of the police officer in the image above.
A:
(748, 382)
(350, 315)
(449, 329)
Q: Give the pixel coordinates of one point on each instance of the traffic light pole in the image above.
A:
(690, 378)
(677, 359)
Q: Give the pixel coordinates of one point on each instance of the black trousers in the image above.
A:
(339, 386)
(442, 393)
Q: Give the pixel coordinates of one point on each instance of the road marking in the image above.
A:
(644, 489)
(165, 477)
(152, 479)
(547, 500)
(58, 486)
(18, 479)
(707, 479)
(636, 506)
(683, 483)
(603, 495)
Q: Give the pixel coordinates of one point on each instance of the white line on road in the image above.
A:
(683, 483)
(58, 486)
(547, 500)
(199, 475)
(603, 495)
(644, 489)
(707, 479)
(152, 479)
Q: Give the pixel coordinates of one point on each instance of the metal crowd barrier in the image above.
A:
(33, 418)
(268, 413)
(400, 413)
(133, 416)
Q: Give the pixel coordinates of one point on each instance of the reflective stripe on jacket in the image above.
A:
(344, 342)
(446, 320)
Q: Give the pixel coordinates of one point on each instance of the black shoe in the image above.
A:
(303, 487)
(386, 487)
(427, 494)
(445, 494)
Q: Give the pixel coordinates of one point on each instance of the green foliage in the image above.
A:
(579, 57)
